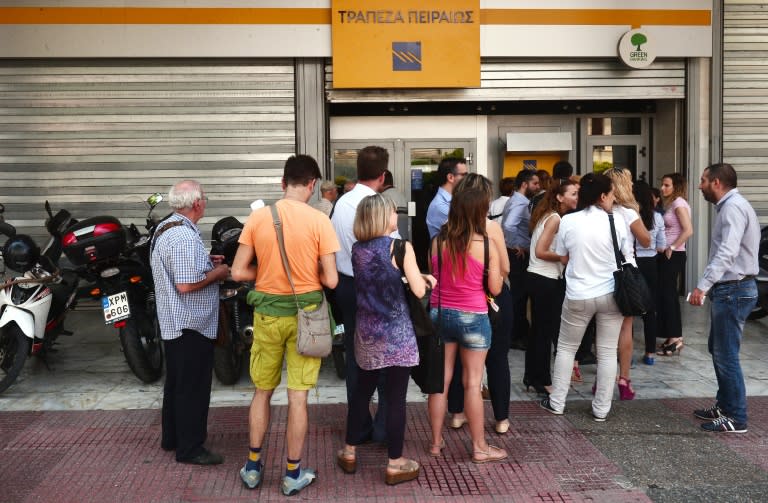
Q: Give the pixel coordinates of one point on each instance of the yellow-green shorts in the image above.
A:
(273, 338)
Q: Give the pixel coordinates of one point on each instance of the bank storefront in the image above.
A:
(105, 102)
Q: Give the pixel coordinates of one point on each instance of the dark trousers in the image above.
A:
(517, 271)
(346, 298)
(648, 267)
(547, 297)
(668, 317)
(395, 389)
(187, 393)
(496, 364)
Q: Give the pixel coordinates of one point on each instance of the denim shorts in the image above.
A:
(469, 330)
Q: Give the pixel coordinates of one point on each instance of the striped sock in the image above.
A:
(254, 459)
(292, 468)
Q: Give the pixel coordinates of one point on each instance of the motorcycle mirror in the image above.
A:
(2, 209)
(154, 199)
(7, 229)
(48, 209)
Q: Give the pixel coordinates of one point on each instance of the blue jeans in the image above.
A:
(731, 304)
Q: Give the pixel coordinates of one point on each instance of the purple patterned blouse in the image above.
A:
(384, 335)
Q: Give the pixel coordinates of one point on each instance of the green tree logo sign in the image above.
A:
(638, 39)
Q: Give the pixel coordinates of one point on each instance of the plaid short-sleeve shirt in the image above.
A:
(179, 257)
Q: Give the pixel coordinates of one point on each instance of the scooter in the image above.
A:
(235, 334)
(761, 309)
(114, 260)
(33, 305)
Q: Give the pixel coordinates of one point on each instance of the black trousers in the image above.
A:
(518, 266)
(648, 267)
(395, 389)
(496, 364)
(668, 303)
(187, 393)
(346, 299)
(547, 297)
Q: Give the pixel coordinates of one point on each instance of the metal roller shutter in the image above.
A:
(745, 98)
(503, 79)
(97, 137)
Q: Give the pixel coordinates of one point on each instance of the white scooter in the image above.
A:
(33, 305)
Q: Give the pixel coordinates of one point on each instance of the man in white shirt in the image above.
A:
(371, 165)
(506, 188)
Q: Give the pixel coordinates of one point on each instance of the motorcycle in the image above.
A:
(235, 334)
(114, 260)
(32, 306)
(761, 309)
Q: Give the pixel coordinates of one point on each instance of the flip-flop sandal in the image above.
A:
(490, 457)
(346, 463)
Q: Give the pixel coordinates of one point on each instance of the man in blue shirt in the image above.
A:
(729, 281)
(187, 291)
(449, 173)
(517, 236)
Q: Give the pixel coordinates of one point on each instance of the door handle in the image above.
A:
(641, 151)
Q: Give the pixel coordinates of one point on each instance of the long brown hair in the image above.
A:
(550, 204)
(466, 217)
(679, 188)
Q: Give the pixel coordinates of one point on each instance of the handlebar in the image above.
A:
(7, 229)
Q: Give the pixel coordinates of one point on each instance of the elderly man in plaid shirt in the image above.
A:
(187, 291)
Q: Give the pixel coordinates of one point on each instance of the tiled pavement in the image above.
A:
(58, 443)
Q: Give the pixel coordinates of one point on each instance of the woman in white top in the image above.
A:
(626, 205)
(584, 243)
(545, 282)
(647, 262)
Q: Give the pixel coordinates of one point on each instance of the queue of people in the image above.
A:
(558, 251)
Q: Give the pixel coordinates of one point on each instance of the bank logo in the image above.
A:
(406, 56)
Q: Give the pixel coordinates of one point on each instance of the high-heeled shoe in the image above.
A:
(625, 389)
(671, 348)
(576, 374)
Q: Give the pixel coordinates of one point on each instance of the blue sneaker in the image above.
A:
(251, 478)
(291, 486)
(649, 360)
(724, 424)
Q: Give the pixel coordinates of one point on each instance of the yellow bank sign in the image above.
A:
(406, 43)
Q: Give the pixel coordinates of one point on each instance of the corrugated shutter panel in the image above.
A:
(97, 137)
(745, 98)
(503, 79)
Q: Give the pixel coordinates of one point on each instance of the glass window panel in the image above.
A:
(614, 126)
(344, 165)
(424, 163)
(605, 157)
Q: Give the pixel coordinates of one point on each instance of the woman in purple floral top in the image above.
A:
(384, 336)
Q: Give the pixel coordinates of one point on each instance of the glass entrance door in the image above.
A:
(413, 164)
(618, 142)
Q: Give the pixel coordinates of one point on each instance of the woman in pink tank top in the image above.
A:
(460, 313)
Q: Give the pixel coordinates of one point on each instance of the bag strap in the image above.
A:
(281, 243)
(439, 282)
(164, 228)
(615, 242)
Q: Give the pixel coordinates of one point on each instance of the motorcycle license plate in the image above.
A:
(116, 307)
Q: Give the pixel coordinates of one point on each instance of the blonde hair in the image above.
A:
(372, 217)
(622, 187)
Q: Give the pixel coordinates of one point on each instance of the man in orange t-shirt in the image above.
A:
(310, 245)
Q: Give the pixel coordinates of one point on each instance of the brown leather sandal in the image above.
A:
(405, 472)
(436, 450)
(346, 460)
(492, 454)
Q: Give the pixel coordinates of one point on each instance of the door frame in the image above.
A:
(644, 140)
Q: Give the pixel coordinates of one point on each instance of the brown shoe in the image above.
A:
(492, 454)
(403, 473)
(346, 463)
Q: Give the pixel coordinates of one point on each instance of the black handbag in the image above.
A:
(493, 309)
(429, 374)
(422, 322)
(630, 292)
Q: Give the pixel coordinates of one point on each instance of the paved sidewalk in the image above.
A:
(87, 430)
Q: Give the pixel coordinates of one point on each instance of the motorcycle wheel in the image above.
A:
(228, 352)
(14, 349)
(142, 347)
(338, 361)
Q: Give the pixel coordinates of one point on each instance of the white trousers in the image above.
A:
(574, 319)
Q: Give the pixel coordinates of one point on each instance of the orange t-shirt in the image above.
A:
(308, 234)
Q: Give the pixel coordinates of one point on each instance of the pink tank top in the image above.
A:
(456, 292)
